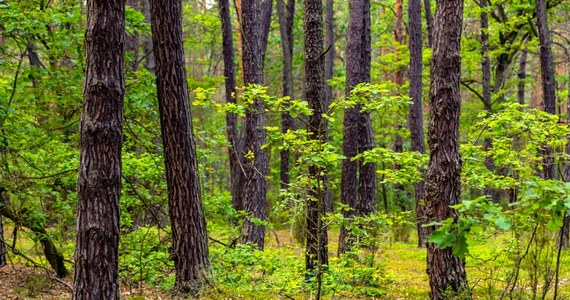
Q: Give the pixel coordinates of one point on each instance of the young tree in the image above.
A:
(358, 182)
(254, 159)
(317, 241)
(415, 117)
(99, 180)
(443, 179)
(286, 12)
(189, 238)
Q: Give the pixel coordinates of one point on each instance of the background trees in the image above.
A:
(508, 246)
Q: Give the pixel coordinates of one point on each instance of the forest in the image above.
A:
(285, 149)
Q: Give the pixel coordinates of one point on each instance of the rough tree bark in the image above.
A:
(253, 187)
(286, 13)
(231, 118)
(358, 182)
(317, 241)
(100, 140)
(547, 76)
(189, 238)
(416, 117)
(443, 179)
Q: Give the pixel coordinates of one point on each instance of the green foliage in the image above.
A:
(145, 258)
(518, 135)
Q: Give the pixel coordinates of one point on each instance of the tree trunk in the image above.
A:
(443, 179)
(358, 182)
(231, 118)
(132, 41)
(331, 53)
(189, 238)
(522, 77)
(565, 234)
(547, 76)
(416, 116)
(330, 56)
(2, 246)
(266, 10)
(486, 85)
(286, 13)
(513, 197)
(399, 37)
(147, 43)
(317, 241)
(99, 180)
(429, 22)
(253, 189)
(35, 63)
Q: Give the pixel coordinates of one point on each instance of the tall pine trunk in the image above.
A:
(231, 118)
(149, 63)
(255, 167)
(486, 91)
(443, 179)
(100, 140)
(331, 51)
(189, 238)
(415, 117)
(317, 241)
(548, 80)
(358, 182)
(286, 12)
(429, 21)
(132, 40)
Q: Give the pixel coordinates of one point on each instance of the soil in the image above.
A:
(19, 282)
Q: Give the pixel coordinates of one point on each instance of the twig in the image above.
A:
(560, 244)
(217, 241)
(65, 284)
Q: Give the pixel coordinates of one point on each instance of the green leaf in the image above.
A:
(460, 248)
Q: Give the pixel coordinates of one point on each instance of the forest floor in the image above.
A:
(403, 271)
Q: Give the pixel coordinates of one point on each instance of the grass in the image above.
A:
(398, 271)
